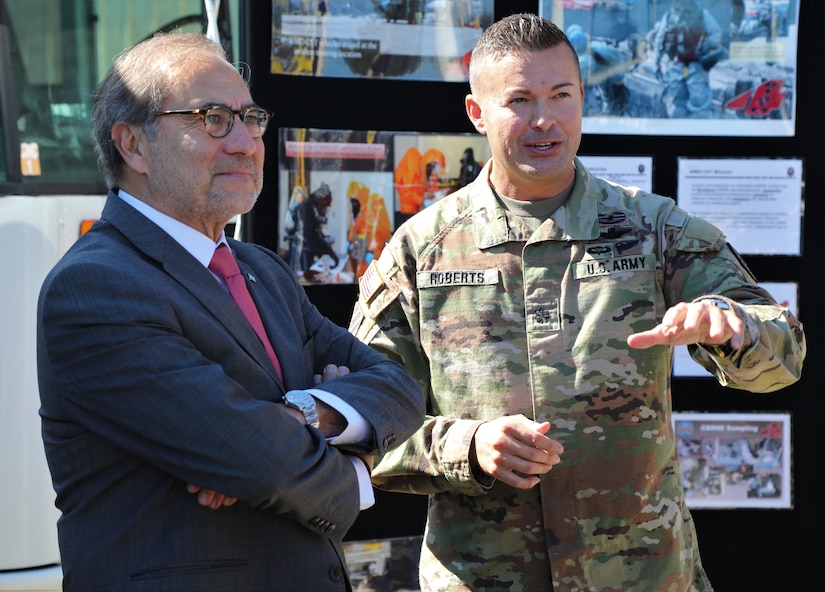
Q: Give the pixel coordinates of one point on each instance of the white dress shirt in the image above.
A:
(201, 247)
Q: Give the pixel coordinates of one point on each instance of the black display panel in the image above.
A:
(731, 540)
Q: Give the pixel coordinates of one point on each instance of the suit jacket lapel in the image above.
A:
(188, 272)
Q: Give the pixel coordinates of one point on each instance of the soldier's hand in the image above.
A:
(694, 322)
(515, 450)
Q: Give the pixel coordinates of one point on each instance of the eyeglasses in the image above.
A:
(218, 120)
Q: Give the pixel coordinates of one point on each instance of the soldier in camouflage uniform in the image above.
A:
(538, 308)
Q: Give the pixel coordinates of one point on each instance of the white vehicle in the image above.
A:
(53, 53)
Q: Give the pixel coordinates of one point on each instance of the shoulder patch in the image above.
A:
(676, 218)
(375, 277)
(371, 282)
(699, 235)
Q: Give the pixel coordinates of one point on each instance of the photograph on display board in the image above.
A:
(429, 166)
(684, 67)
(735, 460)
(341, 193)
(392, 39)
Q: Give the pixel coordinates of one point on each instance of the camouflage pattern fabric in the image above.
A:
(494, 319)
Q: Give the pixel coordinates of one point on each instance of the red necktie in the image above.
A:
(223, 264)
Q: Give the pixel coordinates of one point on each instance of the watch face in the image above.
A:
(719, 303)
(305, 404)
(298, 398)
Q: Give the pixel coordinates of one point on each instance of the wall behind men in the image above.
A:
(743, 549)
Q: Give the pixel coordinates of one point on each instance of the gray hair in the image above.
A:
(137, 86)
(517, 33)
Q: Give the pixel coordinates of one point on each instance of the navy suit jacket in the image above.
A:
(151, 378)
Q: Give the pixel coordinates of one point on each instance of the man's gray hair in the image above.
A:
(136, 87)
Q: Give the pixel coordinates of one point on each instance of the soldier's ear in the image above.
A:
(474, 113)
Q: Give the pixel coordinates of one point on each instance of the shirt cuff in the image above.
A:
(357, 430)
(365, 492)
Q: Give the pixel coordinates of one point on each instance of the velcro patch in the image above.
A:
(457, 277)
(371, 282)
(596, 267)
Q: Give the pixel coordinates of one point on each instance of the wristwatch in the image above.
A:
(305, 403)
(723, 350)
(718, 303)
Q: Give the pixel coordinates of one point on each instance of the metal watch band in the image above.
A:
(305, 403)
(723, 350)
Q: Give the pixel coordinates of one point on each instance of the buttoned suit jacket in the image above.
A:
(151, 378)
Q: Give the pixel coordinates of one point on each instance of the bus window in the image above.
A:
(2, 145)
(53, 54)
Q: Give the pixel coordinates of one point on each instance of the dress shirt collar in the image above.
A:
(200, 246)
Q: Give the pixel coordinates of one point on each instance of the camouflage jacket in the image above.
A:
(494, 319)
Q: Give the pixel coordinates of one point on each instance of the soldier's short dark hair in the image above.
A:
(522, 32)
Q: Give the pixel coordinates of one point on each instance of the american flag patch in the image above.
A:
(371, 282)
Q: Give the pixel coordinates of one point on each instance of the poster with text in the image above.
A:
(630, 171)
(756, 202)
(391, 39)
(684, 67)
(341, 193)
(735, 460)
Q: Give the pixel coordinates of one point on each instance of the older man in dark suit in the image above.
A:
(155, 387)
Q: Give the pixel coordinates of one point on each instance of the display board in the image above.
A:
(430, 107)
(735, 71)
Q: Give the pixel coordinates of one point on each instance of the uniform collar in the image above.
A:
(577, 219)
